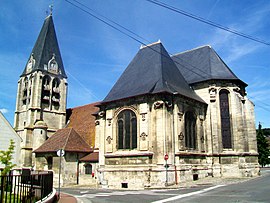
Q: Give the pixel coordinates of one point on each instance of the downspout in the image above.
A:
(165, 140)
(174, 136)
(77, 173)
(212, 143)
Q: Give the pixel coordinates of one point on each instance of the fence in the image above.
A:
(26, 187)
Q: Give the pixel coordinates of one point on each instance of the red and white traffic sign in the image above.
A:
(166, 157)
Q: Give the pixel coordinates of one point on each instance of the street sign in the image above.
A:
(60, 152)
(166, 157)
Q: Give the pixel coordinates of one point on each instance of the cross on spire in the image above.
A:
(51, 8)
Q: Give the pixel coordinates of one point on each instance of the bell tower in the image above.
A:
(42, 93)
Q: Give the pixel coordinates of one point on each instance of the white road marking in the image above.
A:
(188, 194)
(83, 192)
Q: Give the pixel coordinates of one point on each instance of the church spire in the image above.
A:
(45, 55)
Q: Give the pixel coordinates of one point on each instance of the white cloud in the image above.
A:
(236, 46)
(4, 110)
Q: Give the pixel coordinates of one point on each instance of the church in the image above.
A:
(168, 119)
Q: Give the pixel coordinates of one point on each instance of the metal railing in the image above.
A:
(26, 187)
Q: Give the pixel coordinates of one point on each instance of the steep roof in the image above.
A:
(67, 139)
(81, 119)
(45, 48)
(202, 64)
(151, 71)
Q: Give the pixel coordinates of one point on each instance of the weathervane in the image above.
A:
(51, 8)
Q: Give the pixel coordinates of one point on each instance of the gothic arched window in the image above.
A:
(225, 119)
(127, 130)
(25, 89)
(190, 130)
(55, 91)
(46, 91)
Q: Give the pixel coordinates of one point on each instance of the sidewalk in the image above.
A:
(66, 198)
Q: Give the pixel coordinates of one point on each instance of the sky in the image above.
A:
(95, 55)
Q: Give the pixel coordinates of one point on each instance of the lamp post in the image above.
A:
(60, 153)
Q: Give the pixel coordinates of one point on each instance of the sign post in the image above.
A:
(60, 153)
(166, 157)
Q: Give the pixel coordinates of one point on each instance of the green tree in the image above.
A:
(6, 157)
(263, 147)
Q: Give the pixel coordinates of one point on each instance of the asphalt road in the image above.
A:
(255, 190)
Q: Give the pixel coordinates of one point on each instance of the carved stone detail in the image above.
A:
(202, 139)
(213, 93)
(180, 115)
(109, 139)
(158, 104)
(181, 136)
(109, 121)
(143, 116)
(52, 65)
(181, 144)
(101, 114)
(31, 63)
(143, 136)
(168, 104)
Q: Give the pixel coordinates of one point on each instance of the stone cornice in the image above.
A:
(130, 154)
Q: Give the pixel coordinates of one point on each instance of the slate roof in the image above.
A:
(45, 46)
(82, 120)
(202, 64)
(67, 139)
(151, 71)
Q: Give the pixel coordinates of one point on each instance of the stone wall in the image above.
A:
(161, 130)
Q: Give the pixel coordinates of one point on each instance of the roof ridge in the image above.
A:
(77, 107)
(151, 67)
(161, 62)
(43, 41)
(221, 60)
(210, 61)
(70, 129)
(190, 50)
(151, 44)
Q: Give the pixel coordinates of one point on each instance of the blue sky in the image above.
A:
(95, 55)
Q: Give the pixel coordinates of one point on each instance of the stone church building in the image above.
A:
(168, 119)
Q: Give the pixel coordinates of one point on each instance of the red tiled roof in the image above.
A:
(81, 119)
(93, 157)
(67, 139)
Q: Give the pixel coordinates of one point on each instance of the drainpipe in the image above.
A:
(173, 140)
(211, 128)
(77, 173)
(165, 140)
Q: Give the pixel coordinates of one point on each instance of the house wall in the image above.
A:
(6, 134)
(91, 180)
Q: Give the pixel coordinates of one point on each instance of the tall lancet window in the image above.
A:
(190, 130)
(225, 119)
(46, 91)
(24, 92)
(127, 130)
(56, 92)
